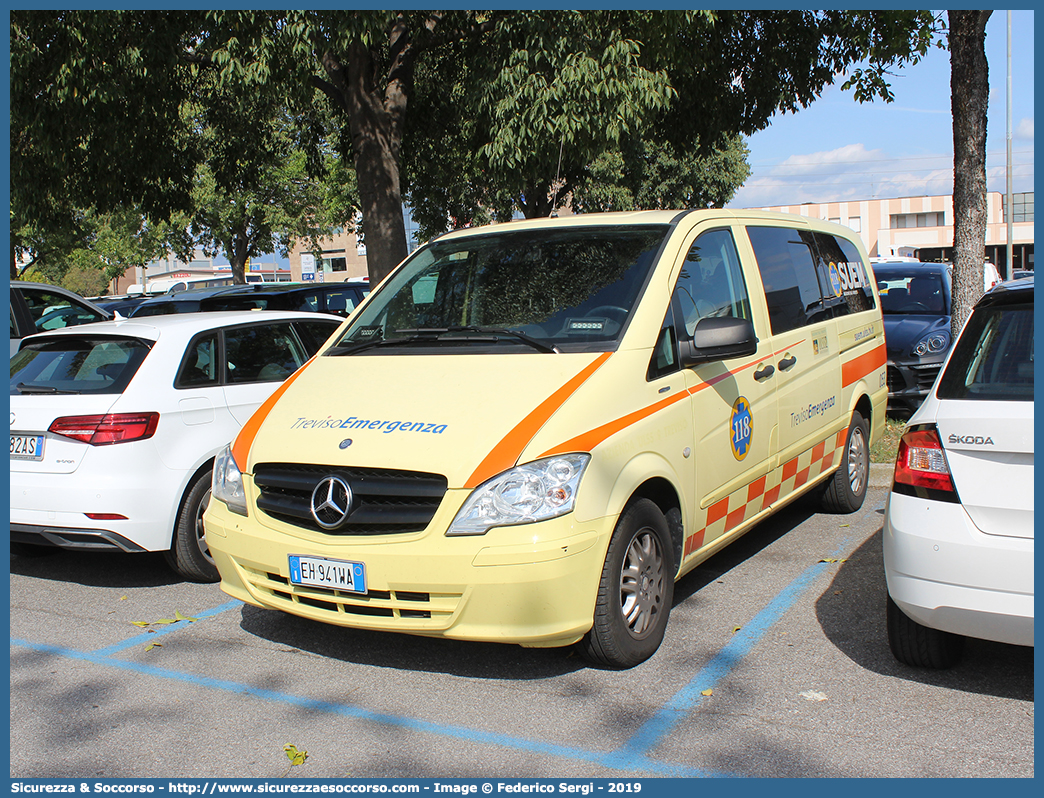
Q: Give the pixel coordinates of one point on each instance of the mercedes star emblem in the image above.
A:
(331, 502)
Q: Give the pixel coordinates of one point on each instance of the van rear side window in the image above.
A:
(787, 262)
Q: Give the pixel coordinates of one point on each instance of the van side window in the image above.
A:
(786, 260)
(665, 354)
(711, 282)
(843, 276)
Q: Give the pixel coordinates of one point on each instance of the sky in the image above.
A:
(839, 149)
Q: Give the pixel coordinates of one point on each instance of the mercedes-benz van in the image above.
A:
(529, 431)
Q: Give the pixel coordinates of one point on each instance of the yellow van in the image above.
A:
(529, 431)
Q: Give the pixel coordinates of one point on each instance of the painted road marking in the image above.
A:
(632, 755)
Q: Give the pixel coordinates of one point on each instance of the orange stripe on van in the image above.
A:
(859, 367)
(588, 440)
(245, 438)
(506, 453)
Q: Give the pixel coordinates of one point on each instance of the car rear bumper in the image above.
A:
(945, 574)
(52, 508)
(72, 538)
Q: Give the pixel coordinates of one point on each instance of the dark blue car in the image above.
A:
(915, 302)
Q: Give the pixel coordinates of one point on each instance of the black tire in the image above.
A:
(635, 591)
(845, 491)
(189, 554)
(918, 645)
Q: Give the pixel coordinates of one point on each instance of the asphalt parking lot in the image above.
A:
(775, 664)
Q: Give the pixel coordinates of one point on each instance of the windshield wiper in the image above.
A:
(42, 389)
(495, 334)
(359, 346)
(420, 335)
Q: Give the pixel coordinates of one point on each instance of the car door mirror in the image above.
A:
(719, 338)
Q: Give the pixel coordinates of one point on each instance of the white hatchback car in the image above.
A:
(958, 531)
(115, 425)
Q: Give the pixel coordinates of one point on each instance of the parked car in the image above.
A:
(990, 276)
(336, 298)
(958, 528)
(915, 302)
(114, 426)
(36, 307)
(121, 304)
(1018, 274)
(339, 298)
(188, 301)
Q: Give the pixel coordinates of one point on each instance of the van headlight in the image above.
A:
(532, 492)
(227, 482)
(930, 344)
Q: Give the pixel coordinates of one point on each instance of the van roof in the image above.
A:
(628, 218)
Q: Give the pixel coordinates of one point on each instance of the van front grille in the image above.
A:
(384, 501)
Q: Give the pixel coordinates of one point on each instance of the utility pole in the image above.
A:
(1009, 268)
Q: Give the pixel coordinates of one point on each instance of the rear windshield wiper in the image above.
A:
(43, 389)
(495, 334)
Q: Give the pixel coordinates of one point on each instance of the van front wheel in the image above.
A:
(846, 490)
(635, 591)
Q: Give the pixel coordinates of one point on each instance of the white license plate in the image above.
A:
(323, 572)
(27, 447)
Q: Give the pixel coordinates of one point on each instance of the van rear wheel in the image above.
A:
(635, 591)
(846, 490)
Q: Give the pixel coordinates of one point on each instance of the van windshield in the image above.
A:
(563, 289)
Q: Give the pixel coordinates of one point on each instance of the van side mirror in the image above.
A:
(717, 338)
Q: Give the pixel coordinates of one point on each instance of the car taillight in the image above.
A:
(110, 428)
(921, 462)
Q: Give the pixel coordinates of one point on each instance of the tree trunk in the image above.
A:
(376, 124)
(236, 250)
(969, 96)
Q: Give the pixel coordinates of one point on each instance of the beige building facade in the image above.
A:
(922, 227)
(343, 256)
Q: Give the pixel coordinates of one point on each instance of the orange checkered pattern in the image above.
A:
(728, 513)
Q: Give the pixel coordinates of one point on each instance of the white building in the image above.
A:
(923, 226)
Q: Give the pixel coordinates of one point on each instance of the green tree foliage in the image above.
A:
(603, 106)
(96, 100)
(483, 112)
(106, 246)
(644, 174)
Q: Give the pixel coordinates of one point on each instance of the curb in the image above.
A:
(881, 475)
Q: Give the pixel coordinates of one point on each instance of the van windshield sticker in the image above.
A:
(365, 423)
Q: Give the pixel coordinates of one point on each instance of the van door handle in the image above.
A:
(764, 374)
(787, 363)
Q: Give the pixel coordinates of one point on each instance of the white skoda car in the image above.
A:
(115, 425)
(958, 532)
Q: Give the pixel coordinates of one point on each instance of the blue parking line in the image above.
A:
(632, 756)
(607, 759)
(151, 635)
(725, 661)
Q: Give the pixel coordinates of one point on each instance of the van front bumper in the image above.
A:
(534, 584)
